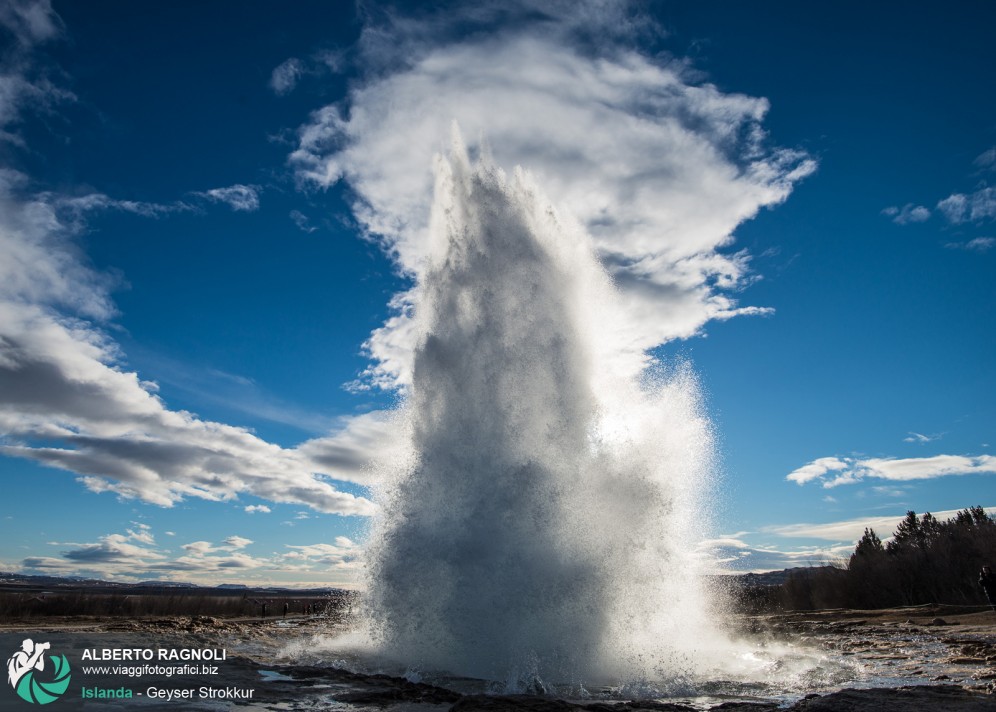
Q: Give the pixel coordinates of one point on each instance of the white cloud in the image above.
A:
(284, 77)
(76, 207)
(658, 167)
(890, 491)
(852, 529)
(724, 555)
(961, 208)
(111, 556)
(986, 159)
(241, 198)
(850, 470)
(199, 547)
(30, 21)
(816, 469)
(261, 508)
(65, 401)
(977, 244)
(302, 222)
(920, 438)
(141, 533)
(25, 84)
(909, 213)
(237, 542)
(348, 453)
(343, 554)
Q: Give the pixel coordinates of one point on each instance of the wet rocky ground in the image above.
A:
(916, 659)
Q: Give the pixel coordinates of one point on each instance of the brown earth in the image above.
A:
(942, 658)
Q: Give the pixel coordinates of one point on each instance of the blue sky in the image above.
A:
(212, 216)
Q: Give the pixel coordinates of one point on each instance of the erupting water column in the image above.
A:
(540, 529)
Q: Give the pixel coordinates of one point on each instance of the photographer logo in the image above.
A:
(22, 669)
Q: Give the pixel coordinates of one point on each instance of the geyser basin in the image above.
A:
(540, 529)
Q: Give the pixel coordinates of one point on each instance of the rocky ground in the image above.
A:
(927, 658)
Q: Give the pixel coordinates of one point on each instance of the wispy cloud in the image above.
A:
(972, 207)
(958, 208)
(660, 194)
(726, 554)
(25, 78)
(76, 207)
(977, 244)
(241, 198)
(852, 529)
(833, 472)
(287, 75)
(302, 221)
(986, 160)
(284, 77)
(920, 438)
(231, 391)
(909, 213)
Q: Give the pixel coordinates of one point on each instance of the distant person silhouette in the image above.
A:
(987, 579)
(29, 657)
(285, 609)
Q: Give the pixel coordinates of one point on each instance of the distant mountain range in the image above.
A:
(12, 581)
(768, 578)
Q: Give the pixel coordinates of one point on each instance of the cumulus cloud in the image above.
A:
(241, 198)
(833, 472)
(261, 508)
(344, 554)
(909, 213)
(657, 166)
(350, 451)
(119, 557)
(142, 533)
(237, 542)
(112, 548)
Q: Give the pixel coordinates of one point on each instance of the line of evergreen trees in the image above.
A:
(926, 561)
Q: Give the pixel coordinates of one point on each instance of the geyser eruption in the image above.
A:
(539, 531)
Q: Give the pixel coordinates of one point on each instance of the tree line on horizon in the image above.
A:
(926, 561)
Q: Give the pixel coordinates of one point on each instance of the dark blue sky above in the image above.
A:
(882, 328)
